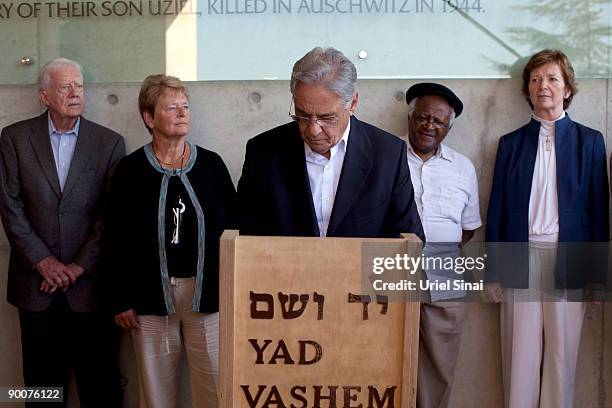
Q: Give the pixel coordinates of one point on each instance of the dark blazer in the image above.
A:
(131, 240)
(374, 196)
(583, 195)
(40, 220)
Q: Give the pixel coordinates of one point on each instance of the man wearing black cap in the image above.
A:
(446, 193)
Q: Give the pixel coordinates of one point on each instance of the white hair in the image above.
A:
(329, 68)
(53, 66)
(412, 106)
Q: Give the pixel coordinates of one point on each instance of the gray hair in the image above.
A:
(52, 66)
(329, 68)
(412, 106)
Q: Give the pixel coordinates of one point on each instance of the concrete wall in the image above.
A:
(226, 114)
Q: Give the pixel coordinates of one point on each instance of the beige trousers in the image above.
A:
(439, 340)
(540, 339)
(158, 346)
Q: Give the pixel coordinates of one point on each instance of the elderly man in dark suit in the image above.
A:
(54, 173)
(326, 173)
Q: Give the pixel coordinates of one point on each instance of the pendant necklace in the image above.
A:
(178, 216)
(180, 158)
(179, 209)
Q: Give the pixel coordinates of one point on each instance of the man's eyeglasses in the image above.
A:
(324, 121)
(426, 120)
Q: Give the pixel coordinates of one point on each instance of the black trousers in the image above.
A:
(57, 339)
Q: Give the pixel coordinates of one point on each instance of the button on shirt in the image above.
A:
(446, 195)
(543, 203)
(324, 175)
(63, 144)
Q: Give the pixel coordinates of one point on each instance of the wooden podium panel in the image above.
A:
(295, 330)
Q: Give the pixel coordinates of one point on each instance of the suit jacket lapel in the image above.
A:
(84, 147)
(525, 165)
(355, 169)
(567, 174)
(41, 144)
(297, 183)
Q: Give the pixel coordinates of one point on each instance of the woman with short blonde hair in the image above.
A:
(169, 202)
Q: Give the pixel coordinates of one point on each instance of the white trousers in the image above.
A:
(540, 339)
(158, 345)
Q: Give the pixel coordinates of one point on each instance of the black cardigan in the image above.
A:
(131, 255)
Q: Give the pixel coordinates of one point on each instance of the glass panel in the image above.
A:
(125, 40)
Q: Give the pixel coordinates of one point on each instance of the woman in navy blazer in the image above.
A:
(549, 197)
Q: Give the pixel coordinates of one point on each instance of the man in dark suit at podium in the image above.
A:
(326, 173)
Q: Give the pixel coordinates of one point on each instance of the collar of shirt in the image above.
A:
(73, 131)
(315, 157)
(442, 152)
(547, 126)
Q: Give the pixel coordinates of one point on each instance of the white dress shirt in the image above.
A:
(446, 195)
(323, 175)
(63, 144)
(543, 203)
